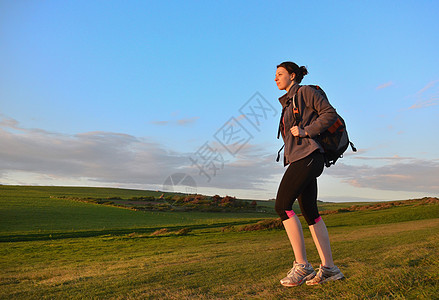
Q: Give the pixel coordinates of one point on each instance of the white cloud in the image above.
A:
(100, 156)
(32, 156)
(180, 122)
(160, 123)
(390, 158)
(188, 121)
(425, 103)
(428, 86)
(384, 85)
(427, 96)
(412, 175)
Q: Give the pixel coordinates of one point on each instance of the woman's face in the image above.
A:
(283, 79)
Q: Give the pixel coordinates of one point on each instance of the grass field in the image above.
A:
(60, 249)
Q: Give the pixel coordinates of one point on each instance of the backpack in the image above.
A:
(334, 140)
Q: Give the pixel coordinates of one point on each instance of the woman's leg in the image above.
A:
(319, 232)
(308, 206)
(295, 235)
(327, 271)
(320, 236)
(296, 178)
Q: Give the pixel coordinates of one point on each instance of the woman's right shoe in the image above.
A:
(298, 275)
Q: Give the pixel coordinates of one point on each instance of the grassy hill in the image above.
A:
(62, 249)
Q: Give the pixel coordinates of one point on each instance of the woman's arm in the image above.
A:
(326, 113)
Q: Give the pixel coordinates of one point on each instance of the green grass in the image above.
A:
(29, 213)
(386, 254)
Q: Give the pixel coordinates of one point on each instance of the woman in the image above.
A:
(304, 157)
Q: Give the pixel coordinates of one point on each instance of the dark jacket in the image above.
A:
(317, 115)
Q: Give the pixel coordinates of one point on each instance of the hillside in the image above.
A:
(64, 249)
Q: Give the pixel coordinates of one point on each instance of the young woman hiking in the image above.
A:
(305, 161)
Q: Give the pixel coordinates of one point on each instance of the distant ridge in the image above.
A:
(384, 205)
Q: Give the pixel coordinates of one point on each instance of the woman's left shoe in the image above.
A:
(326, 274)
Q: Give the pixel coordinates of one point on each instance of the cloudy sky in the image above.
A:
(139, 94)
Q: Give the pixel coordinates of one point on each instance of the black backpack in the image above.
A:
(334, 140)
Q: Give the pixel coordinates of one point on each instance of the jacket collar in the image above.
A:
(289, 95)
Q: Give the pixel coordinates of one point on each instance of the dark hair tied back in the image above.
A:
(294, 68)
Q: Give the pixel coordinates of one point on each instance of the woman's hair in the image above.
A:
(294, 68)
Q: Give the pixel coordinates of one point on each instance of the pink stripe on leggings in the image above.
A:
(318, 219)
(290, 213)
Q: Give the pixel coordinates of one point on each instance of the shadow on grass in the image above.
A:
(47, 236)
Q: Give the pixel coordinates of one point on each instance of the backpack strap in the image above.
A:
(279, 128)
(297, 119)
(353, 147)
(296, 114)
(282, 116)
(278, 153)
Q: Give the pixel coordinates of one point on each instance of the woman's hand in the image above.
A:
(297, 131)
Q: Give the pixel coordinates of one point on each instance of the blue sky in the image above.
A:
(128, 93)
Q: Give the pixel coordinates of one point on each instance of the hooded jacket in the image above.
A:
(317, 115)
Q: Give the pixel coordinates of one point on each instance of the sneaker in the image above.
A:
(326, 274)
(298, 275)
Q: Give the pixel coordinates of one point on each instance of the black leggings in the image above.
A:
(300, 181)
